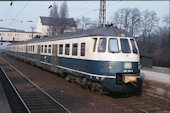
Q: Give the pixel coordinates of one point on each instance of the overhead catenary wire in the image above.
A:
(86, 6)
(83, 6)
(19, 12)
(9, 10)
(91, 11)
(22, 9)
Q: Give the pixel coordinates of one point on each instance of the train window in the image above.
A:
(32, 48)
(45, 49)
(113, 45)
(94, 46)
(61, 49)
(74, 49)
(125, 46)
(133, 46)
(82, 49)
(49, 49)
(102, 45)
(42, 49)
(67, 49)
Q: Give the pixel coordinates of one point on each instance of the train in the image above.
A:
(101, 59)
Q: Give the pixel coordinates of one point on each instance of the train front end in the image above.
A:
(121, 65)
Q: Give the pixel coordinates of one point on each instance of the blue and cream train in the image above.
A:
(100, 58)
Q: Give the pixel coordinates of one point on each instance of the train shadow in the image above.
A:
(119, 95)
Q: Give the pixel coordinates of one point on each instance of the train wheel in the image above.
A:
(84, 82)
(78, 80)
(138, 91)
(96, 87)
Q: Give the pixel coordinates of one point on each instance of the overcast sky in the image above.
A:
(17, 15)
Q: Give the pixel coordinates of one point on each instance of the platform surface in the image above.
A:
(158, 74)
(4, 105)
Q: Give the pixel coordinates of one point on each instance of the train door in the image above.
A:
(38, 55)
(26, 54)
(17, 50)
(54, 58)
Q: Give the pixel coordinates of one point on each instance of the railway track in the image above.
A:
(136, 104)
(34, 99)
(145, 106)
(127, 105)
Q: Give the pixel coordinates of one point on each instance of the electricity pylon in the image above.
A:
(102, 13)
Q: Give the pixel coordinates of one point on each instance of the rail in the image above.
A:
(45, 93)
(19, 96)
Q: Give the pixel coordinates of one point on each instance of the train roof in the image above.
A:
(100, 31)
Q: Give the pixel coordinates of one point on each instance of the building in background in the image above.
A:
(10, 36)
(46, 25)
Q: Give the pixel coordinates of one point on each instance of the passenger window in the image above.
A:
(49, 49)
(42, 49)
(45, 49)
(74, 49)
(61, 49)
(102, 45)
(133, 46)
(113, 45)
(125, 46)
(67, 49)
(94, 46)
(33, 48)
(82, 49)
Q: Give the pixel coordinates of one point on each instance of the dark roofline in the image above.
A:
(106, 31)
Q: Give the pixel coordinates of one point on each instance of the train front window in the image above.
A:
(125, 46)
(133, 46)
(102, 45)
(113, 45)
(94, 46)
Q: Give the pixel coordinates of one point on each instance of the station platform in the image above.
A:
(156, 82)
(4, 105)
(157, 74)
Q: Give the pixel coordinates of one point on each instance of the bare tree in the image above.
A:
(54, 20)
(135, 18)
(118, 18)
(54, 11)
(149, 22)
(127, 19)
(78, 22)
(166, 20)
(93, 24)
(58, 20)
(63, 16)
(85, 23)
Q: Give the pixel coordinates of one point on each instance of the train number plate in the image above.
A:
(128, 79)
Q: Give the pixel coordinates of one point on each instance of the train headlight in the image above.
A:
(109, 65)
(127, 65)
